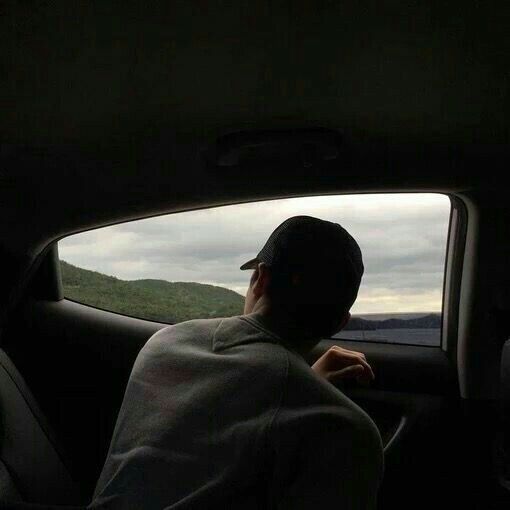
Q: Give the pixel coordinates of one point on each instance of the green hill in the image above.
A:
(157, 300)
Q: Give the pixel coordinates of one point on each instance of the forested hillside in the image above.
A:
(171, 302)
(157, 300)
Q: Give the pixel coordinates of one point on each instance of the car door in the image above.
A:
(77, 357)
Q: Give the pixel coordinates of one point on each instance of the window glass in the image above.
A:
(186, 265)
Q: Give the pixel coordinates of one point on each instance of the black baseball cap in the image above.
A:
(309, 245)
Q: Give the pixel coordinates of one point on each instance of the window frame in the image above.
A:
(454, 254)
(453, 272)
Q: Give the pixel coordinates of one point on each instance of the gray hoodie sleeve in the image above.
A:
(328, 452)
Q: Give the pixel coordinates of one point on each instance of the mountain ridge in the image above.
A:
(171, 302)
(149, 298)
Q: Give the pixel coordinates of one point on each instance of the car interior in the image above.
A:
(121, 111)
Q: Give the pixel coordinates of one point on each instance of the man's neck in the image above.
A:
(286, 329)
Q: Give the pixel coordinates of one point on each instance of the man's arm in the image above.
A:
(339, 364)
(337, 467)
(327, 450)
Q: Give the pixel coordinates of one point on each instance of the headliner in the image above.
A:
(111, 106)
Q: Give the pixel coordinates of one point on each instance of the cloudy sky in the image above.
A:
(402, 237)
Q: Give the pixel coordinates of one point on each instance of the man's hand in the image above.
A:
(339, 364)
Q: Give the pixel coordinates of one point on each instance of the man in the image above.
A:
(226, 413)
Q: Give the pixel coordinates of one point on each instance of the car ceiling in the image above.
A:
(109, 104)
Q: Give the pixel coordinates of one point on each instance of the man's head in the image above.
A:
(307, 276)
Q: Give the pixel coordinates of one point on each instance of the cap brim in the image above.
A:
(251, 264)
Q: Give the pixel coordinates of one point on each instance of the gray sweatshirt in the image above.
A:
(222, 413)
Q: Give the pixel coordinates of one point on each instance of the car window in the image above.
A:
(185, 265)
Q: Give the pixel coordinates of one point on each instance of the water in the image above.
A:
(421, 336)
(430, 337)
(384, 316)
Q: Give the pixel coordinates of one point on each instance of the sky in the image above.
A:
(402, 238)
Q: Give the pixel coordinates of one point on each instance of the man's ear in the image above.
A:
(261, 280)
(345, 320)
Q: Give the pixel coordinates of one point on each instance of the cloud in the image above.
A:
(402, 237)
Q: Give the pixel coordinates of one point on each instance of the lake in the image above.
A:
(430, 337)
(421, 336)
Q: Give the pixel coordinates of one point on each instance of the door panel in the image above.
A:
(414, 402)
(77, 360)
(407, 368)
